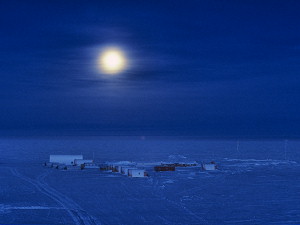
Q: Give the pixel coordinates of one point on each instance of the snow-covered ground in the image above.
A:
(259, 183)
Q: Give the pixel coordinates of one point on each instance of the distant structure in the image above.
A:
(119, 169)
(238, 147)
(179, 164)
(285, 149)
(65, 159)
(125, 170)
(79, 162)
(117, 166)
(89, 166)
(164, 168)
(136, 173)
(209, 166)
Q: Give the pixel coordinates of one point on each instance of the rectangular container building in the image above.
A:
(209, 166)
(119, 169)
(136, 173)
(64, 159)
(126, 169)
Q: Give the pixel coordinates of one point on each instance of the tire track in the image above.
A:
(78, 215)
(156, 192)
(83, 215)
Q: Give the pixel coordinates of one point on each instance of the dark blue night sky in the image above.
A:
(198, 68)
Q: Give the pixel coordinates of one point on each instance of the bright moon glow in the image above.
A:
(112, 61)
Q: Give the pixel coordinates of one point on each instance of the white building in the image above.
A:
(125, 169)
(64, 159)
(78, 162)
(136, 173)
(209, 166)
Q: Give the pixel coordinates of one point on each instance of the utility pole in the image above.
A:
(285, 149)
(238, 147)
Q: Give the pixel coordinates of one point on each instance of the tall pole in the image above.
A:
(285, 149)
(238, 147)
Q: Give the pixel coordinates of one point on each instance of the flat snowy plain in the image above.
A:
(259, 183)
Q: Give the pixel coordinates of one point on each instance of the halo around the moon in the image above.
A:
(112, 61)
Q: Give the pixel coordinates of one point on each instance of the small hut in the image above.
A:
(209, 166)
(136, 173)
(125, 170)
(105, 167)
(119, 169)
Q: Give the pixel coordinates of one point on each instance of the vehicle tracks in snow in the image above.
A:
(78, 215)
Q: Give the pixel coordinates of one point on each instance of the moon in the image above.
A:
(112, 61)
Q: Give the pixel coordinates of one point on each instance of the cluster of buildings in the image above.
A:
(125, 168)
(76, 162)
(172, 166)
(70, 162)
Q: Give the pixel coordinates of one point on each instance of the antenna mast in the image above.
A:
(238, 147)
(285, 149)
